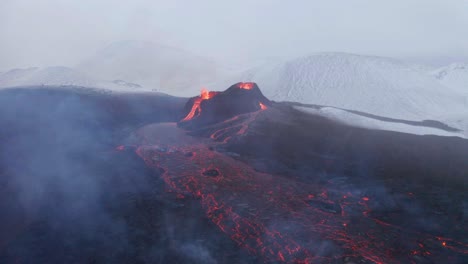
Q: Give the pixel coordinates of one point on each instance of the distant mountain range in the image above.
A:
(377, 85)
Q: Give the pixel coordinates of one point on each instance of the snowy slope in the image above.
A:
(48, 75)
(353, 119)
(454, 76)
(151, 65)
(381, 86)
(60, 76)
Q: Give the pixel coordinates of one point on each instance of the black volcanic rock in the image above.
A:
(240, 98)
(212, 173)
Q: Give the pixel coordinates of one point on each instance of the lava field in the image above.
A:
(232, 177)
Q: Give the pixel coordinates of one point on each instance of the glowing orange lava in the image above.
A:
(246, 85)
(243, 203)
(262, 106)
(195, 109)
(204, 95)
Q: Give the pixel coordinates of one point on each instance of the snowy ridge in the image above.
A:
(44, 76)
(376, 85)
(61, 76)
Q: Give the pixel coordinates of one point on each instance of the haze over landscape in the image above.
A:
(56, 32)
(397, 59)
(264, 131)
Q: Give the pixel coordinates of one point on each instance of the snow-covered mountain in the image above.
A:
(454, 76)
(47, 76)
(377, 85)
(61, 76)
(127, 65)
(151, 65)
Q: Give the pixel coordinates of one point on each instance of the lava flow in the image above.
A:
(196, 109)
(274, 217)
(277, 218)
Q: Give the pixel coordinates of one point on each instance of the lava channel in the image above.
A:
(196, 109)
(279, 219)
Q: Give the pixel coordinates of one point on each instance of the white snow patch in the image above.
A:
(356, 120)
(455, 77)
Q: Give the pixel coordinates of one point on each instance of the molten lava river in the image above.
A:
(276, 218)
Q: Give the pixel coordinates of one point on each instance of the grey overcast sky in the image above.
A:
(63, 32)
